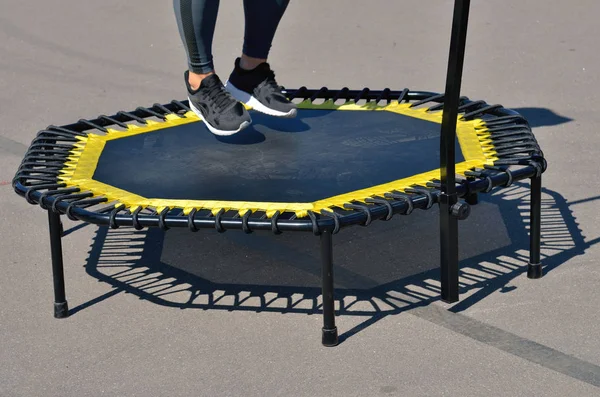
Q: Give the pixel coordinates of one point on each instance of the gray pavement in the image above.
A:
(156, 314)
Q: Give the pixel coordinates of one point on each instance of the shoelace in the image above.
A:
(271, 83)
(221, 97)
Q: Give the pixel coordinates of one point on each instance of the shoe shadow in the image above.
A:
(264, 125)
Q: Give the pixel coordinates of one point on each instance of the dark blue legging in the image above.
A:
(197, 19)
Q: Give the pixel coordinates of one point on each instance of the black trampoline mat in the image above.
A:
(319, 154)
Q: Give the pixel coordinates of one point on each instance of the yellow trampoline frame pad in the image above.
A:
(78, 171)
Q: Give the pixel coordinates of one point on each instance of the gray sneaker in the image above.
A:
(214, 105)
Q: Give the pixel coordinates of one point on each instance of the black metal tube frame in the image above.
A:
(36, 179)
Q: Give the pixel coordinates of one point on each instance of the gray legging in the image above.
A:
(197, 19)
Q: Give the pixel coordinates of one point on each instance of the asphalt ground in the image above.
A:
(227, 315)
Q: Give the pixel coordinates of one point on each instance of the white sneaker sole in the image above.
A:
(214, 130)
(255, 104)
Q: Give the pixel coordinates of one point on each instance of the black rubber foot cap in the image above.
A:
(330, 337)
(61, 310)
(534, 271)
(450, 300)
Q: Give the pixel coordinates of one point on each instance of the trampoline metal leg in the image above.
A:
(534, 269)
(61, 309)
(330, 333)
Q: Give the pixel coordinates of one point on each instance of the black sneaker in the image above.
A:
(221, 113)
(257, 88)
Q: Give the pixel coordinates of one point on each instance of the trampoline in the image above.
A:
(351, 157)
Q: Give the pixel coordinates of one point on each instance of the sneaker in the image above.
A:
(257, 88)
(219, 111)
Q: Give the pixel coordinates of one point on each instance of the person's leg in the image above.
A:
(252, 80)
(262, 18)
(222, 114)
(196, 21)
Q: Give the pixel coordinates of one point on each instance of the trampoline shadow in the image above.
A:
(542, 117)
(382, 270)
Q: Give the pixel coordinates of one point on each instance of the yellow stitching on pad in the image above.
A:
(78, 171)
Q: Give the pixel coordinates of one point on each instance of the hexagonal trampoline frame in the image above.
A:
(79, 170)
(44, 178)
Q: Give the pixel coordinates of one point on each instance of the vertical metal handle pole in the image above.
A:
(61, 308)
(448, 196)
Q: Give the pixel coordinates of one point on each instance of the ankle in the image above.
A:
(250, 63)
(195, 79)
